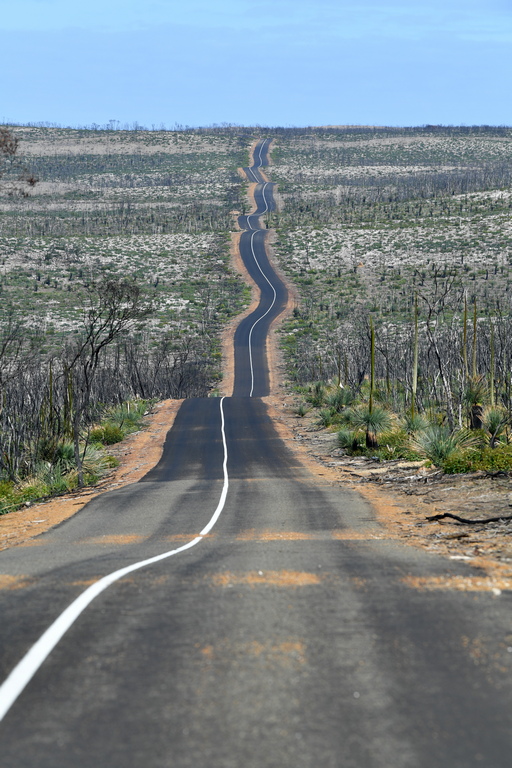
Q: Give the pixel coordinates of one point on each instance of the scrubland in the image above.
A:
(155, 206)
(115, 284)
(400, 243)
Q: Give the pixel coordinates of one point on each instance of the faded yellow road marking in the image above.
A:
(84, 582)
(266, 578)
(359, 582)
(459, 583)
(7, 581)
(187, 536)
(127, 538)
(345, 534)
(287, 653)
(266, 534)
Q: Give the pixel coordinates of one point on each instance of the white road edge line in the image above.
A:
(258, 166)
(268, 281)
(25, 670)
(265, 185)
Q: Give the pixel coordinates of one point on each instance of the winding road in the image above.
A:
(232, 610)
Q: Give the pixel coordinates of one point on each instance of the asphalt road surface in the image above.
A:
(251, 367)
(255, 615)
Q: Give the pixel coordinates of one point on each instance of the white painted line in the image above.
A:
(255, 177)
(260, 158)
(265, 185)
(259, 318)
(261, 213)
(261, 150)
(25, 670)
(225, 487)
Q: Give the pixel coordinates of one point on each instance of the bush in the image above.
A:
(6, 487)
(6, 497)
(64, 456)
(128, 416)
(416, 423)
(317, 395)
(340, 399)
(56, 473)
(350, 440)
(327, 416)
(439, 443)
(494, 422)
(107, 434)
(49, 479)
(374, 421)
(119, 422)
(486, 459)
(395, 445)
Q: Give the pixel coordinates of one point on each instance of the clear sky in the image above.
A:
(272, 62)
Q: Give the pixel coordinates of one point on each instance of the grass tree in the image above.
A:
(369, 418)
(439, 442)
(465, 368)
(475, 396)
(340, 399)
(494, 421)
(492, 367)
(414, 422)
(414, 387)
(373, 421)
(372, 364)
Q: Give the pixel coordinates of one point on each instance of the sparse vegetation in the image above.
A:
(400, 243)
(114, 285)
(54, 469)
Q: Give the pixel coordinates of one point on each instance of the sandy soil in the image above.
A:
(275, 358)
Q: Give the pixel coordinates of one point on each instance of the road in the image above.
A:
(257, 616)
(251, 365)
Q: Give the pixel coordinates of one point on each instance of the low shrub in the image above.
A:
(416, 423)
(351, 440)
(439, 443)
(6, 487)
(108, 434)
(54, 479)
(395, 444)
(340, 399)
(327, 417)
(120, 421)
(498, 459)
(64, 456)
(129, 416)
(316, 395)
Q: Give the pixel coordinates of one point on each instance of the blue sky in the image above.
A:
(278, 62)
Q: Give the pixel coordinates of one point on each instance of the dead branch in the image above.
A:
(469, 522)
